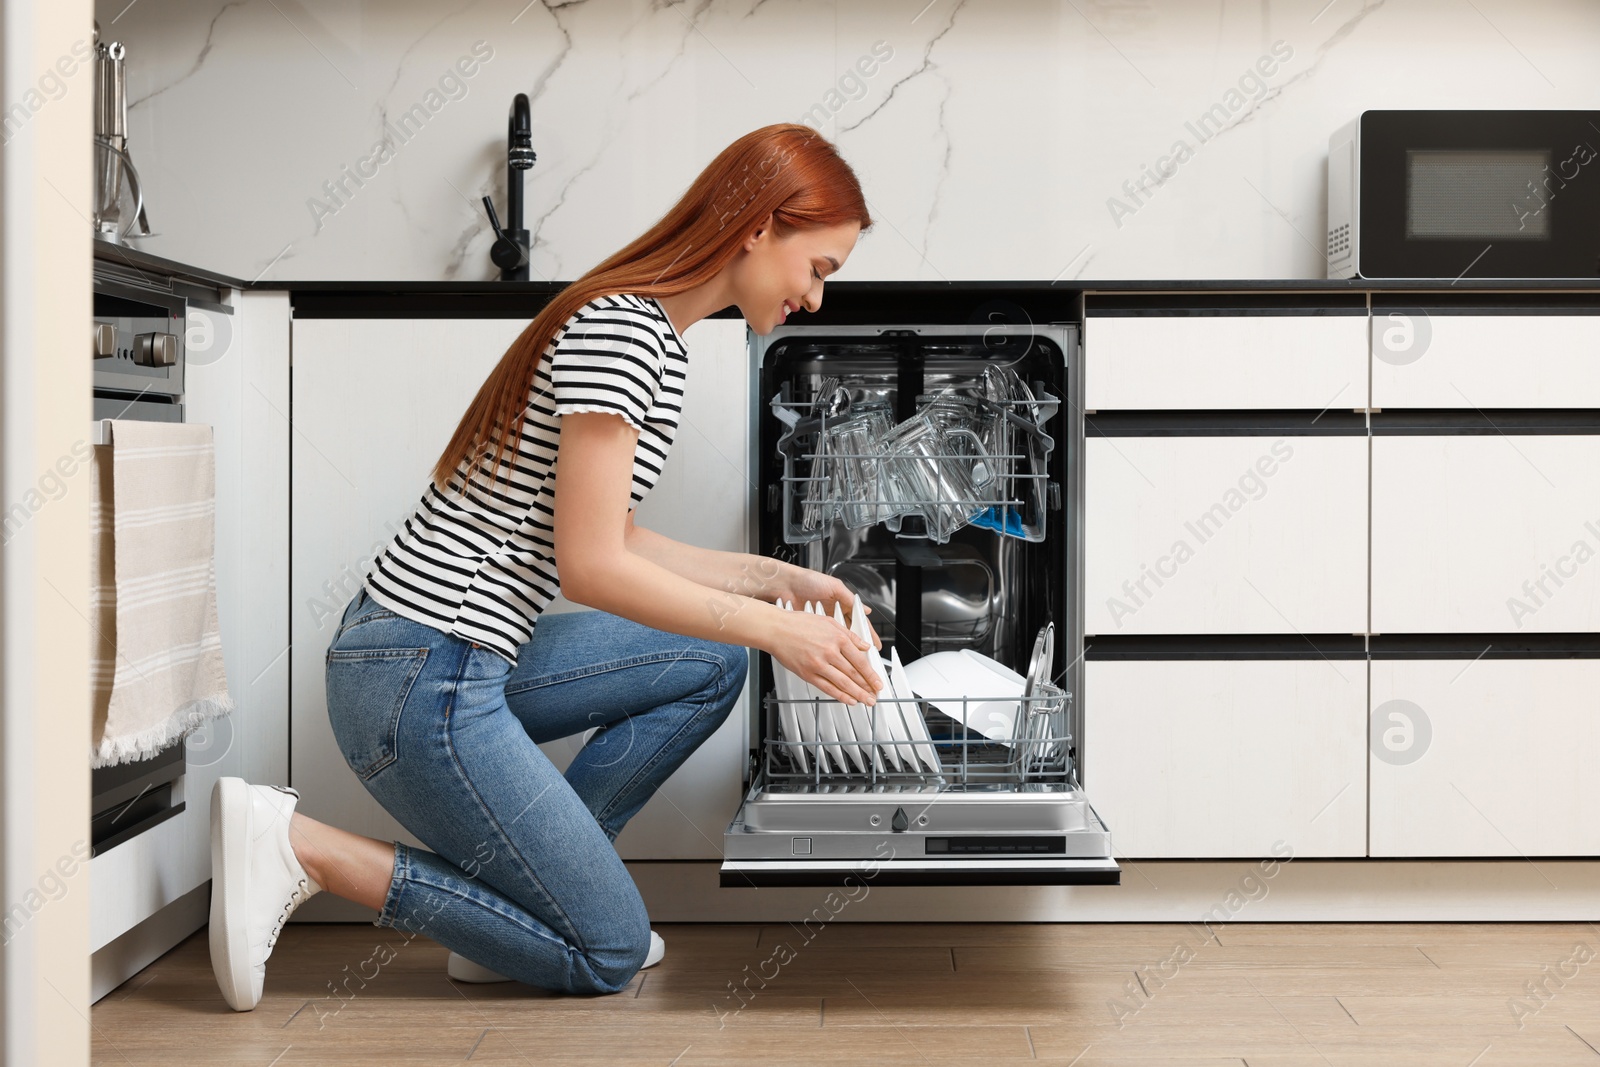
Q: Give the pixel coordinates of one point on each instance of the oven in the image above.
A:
(955, 776)
(139, 329)
(1450, 194)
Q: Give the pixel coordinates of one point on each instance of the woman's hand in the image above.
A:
(820, 651)
(800, 584)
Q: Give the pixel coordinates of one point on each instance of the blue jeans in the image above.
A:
(443, 732)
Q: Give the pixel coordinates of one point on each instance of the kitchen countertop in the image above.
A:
(854, 301)
(136, 260)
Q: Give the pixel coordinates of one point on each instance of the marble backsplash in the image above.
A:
(995, 139)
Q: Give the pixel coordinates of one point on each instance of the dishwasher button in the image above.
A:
(800, 846)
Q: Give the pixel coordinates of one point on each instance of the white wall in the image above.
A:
(45, 305)
(990, 144)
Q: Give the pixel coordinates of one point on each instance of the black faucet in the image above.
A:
(510, 248)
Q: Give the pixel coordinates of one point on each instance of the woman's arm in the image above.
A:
(759, 577)
(597, 568)
(754, 576)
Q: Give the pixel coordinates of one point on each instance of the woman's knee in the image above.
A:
(730, 665)
(609, 964)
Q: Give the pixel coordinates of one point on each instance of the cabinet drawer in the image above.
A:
(1503, 759)
(1201, 535)
(1202, 759)
(1423, 359)
(1265, 361)
(1492, 533)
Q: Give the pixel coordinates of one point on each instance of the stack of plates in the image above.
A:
(891, 735)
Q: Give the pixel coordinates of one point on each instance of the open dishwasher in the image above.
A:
(936, 471)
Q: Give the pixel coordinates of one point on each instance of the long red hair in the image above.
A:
(788, 171)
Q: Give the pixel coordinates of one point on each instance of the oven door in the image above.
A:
(1481, 194)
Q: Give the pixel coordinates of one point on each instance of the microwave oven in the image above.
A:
(1454, 194)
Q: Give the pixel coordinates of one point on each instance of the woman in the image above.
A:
(441, 685)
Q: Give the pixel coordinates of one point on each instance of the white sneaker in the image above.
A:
(256, 883)
(464, 970)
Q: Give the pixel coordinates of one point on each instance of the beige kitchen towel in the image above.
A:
(156, 668)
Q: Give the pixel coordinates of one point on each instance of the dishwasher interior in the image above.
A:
(936, 783)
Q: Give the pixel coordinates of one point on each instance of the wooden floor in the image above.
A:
(1092, 996)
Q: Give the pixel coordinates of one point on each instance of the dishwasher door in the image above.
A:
(965, 806)
(1044, 834)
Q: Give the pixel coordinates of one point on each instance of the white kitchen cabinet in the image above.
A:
(1225, 361)
(1441, 360)
(1211, 535)
(1197, 759)
(1485, 533)
(1503, 759)
(374, 402)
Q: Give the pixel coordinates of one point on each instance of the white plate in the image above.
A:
(787, 685)
(819, 711)
(870, 725)
(888, 726)
(891, 724)
(916, 726)
(806, 717)
(844, 715)
(960, 684)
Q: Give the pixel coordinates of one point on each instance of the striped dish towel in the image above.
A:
(156, 668)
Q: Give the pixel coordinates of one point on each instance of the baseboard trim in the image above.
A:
(1180, 891)
(1170, 891)
(135, 949)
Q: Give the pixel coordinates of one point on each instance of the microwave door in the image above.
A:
(950, 794)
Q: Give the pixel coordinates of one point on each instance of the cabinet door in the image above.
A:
(1493, 757)
(1492, 533)
(1198, 759)
(1433, 359)
(374, 402)
(702, 498)
(1226, 361)
(1188, 535)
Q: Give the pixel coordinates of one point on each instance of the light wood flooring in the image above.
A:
(1265, 995)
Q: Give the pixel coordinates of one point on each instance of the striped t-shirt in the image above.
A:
(480, 563)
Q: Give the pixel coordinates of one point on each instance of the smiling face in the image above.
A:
(773, 277)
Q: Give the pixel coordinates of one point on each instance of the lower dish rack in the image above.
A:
(900, 741)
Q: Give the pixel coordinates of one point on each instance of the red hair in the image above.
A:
(788, 171)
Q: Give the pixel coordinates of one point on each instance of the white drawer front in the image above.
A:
(1219, 758)
(1191, 535)
(1422, 360)
(1502, 760)
(1224, 362)
(1494, 533)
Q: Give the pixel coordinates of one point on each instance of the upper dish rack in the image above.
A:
(970, 455)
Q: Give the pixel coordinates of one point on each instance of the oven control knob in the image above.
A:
(105, 339)
(155, 349)
(899, 823)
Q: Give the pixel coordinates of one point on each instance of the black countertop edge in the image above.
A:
(132, 258)
(1066, 288)
(136, 259)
